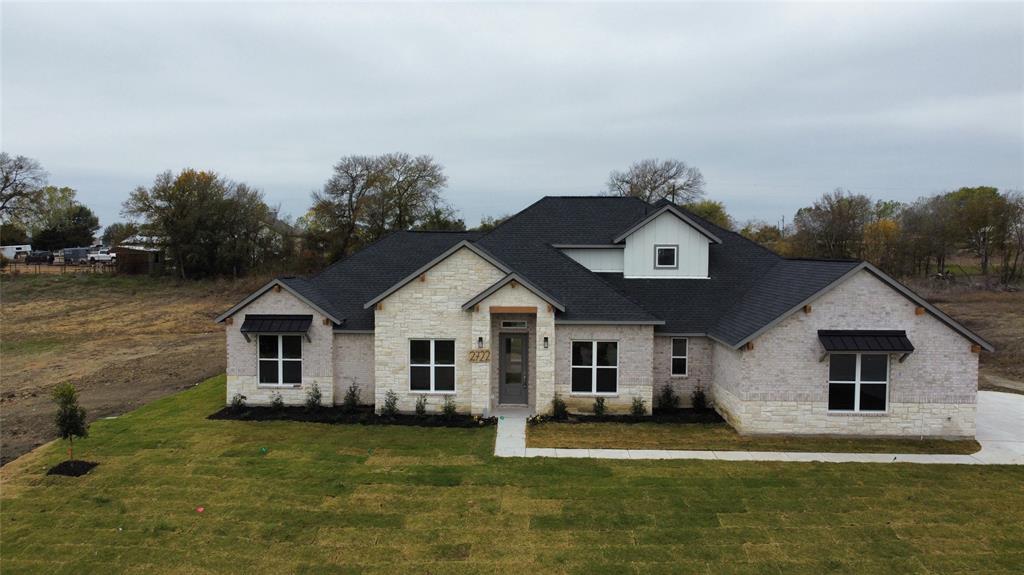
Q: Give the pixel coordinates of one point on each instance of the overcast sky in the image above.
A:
(776, 104)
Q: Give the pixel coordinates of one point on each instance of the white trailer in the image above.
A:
(18, 251)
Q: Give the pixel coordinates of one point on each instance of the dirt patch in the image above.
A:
(72, 468)
(122, 341)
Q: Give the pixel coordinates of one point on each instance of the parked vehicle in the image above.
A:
(101, 256)
(39, 257)
(15, 252)
(76, 255)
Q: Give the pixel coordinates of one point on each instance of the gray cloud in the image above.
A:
(775, 103)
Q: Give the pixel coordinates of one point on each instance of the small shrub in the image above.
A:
(699, 399)
(421, 406)
(276, 401)
(351, 401)
(390, 404)
(448, 409)
(639, 407)
(238, 401)
(70, 418)
(668, 398)
(314, 399)
(599, 407)
(558, 408)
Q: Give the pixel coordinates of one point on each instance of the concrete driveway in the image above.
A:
(1000, 423)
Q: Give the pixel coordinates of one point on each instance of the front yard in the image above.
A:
(720, 437)
(374, 499)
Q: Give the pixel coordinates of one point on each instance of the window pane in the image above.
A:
(444, 378)
(679, 366)
(840, 396)
(666, 257)
(291, 346)
(419, 378)
(872, 397)
(268, 346)
(842, 367)
(874, 367)
(679, 347)
(581, 380)
(419, 351)
(268, 372)
(607, 353)
(581, 353)
(292, 372)
(606, 380)
(444, 352)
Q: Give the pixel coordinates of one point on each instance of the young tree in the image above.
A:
(21, 180)
(70, 417)
(652, 180)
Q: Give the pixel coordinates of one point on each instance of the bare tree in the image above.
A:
(21, 182)
(652, 180)
(341, 203)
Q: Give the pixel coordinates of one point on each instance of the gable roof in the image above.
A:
(443, 256)
(670, 208)
(309, 297)
(749, 289)
(513, 277)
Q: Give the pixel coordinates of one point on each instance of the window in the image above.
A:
(858, 381)
(665, 256)
(432, 365)
(595, 367)
(280, 358)
(514, 324)
(679, 345)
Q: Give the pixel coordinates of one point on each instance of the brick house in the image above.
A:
(589, 297)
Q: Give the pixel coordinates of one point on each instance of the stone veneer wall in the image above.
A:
(636, 358)
(698, 362)
(431, 309)
(353, 363)
(781, 386)
(242, 362)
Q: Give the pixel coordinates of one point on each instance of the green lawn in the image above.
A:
(353, 499)
(721, 437)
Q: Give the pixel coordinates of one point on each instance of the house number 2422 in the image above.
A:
(480, 355)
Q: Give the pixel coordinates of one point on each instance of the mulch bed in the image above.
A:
(72, 468)
(363, 415)
(680, 415)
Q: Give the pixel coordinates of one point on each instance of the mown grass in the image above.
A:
(353, 499)
(722, 437)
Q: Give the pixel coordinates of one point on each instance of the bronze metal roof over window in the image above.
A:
(276, 323)
(879, 341)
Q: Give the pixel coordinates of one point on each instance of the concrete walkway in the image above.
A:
(1000, 432)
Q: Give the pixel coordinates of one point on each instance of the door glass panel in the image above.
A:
(514, 360)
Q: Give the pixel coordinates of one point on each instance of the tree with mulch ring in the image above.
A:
(70, 422)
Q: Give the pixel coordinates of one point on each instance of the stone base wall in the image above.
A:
(261, 395)
(948, 420)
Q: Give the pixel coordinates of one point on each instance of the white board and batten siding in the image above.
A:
(608, 260)
(666, 230)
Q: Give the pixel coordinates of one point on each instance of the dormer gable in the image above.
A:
(667, 243)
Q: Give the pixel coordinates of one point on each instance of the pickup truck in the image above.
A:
(103, 255)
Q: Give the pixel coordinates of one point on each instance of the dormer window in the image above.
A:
(665, 257)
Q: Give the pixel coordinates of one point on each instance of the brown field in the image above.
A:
(123, 341)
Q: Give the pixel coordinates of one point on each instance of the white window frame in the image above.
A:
(675, 258)
(280, 359)
(594, 367)
(673, 357)
(857, 383)
(433, 364)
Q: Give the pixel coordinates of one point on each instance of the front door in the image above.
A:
(512, 369)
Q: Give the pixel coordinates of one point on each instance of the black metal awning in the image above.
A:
(878, 341)
(276, 323)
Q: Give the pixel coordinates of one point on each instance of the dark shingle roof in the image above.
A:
(865, 340)
(749, 286)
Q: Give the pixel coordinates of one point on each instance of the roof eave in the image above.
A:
(276, 282)
(507, 280)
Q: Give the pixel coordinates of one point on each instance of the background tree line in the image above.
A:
(213, 226)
